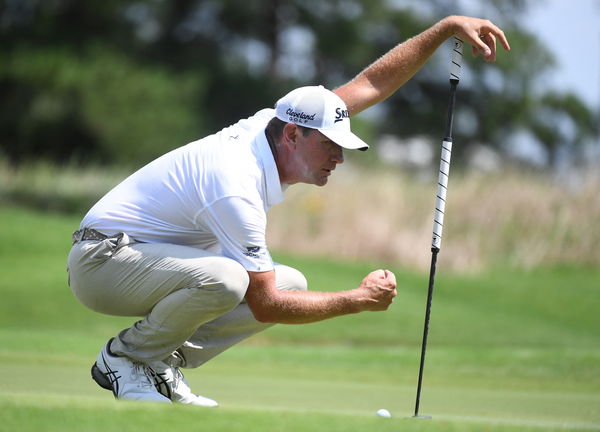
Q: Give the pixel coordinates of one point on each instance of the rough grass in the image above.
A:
(510, 219)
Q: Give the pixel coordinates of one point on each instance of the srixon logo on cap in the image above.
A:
(341, 114)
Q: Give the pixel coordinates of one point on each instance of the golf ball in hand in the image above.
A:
(383, 413)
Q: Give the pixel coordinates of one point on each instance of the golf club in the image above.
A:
(440, 204)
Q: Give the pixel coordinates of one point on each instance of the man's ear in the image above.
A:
(290, 133)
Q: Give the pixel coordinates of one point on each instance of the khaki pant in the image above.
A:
(191, 301)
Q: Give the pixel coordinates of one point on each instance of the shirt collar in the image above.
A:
(274, 189)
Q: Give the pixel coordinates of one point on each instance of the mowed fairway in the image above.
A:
(508, 350)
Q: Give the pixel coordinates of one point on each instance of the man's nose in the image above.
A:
(338, 155)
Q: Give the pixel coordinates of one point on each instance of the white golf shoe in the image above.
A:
(169, 381)
(127, 379)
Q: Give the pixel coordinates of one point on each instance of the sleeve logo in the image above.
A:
(252, 251)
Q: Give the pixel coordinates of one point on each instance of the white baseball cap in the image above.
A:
(316, 107)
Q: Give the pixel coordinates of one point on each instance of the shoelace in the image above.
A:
(177, 377)
(141, 376)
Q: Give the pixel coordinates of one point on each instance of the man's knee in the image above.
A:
(290, 279)
(227, 278)
(234, 279)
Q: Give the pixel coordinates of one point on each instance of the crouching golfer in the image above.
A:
(181, 242)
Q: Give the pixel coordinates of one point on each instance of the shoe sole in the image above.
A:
(100, 378)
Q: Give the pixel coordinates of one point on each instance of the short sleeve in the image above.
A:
(239, 224)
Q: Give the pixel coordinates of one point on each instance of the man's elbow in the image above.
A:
(263, 314)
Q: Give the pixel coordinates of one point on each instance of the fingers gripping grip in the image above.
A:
(457, 55)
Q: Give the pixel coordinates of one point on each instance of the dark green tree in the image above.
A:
(125, 80)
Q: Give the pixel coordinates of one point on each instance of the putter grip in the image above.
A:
(440, 202)
(457, 56)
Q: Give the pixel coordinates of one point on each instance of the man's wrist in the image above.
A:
(358, 300)
(449, 26)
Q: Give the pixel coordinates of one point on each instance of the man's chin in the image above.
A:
(322, 181)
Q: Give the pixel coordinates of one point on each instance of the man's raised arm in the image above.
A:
(388, 73)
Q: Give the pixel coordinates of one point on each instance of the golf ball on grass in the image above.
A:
(383, 413)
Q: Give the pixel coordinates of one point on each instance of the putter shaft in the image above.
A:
(440, 206)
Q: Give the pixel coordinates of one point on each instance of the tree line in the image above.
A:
(123, 81)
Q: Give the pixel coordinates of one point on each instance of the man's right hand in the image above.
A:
(378, 290)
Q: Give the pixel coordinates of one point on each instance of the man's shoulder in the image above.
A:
(258, 121)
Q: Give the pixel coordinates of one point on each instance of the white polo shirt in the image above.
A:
(211, 194)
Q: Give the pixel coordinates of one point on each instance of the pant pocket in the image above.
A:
(105, 249)
(101, 251)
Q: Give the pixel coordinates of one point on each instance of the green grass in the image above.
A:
(508, 350)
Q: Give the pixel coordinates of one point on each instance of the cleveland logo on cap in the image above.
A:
(300, 117)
